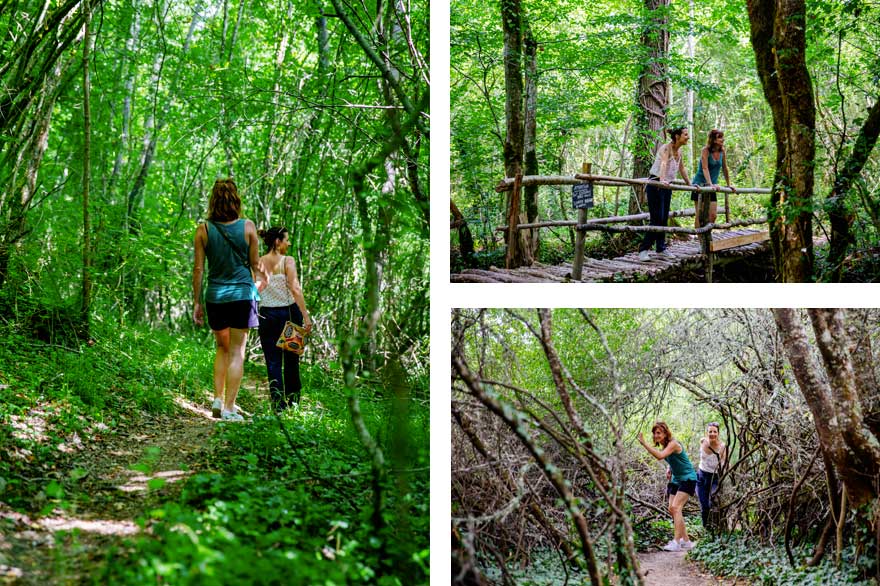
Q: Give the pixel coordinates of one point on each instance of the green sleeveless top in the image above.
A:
(229, 279)
(681, 466)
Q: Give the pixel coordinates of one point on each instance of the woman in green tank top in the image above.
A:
(682, 484)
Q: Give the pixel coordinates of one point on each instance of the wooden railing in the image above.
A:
(583, 225)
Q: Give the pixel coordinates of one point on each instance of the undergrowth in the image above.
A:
(263, 512)
(734, 555)
(292, 513)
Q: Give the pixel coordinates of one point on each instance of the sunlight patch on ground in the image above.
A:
(140, 482)
(101, 527)
(31, 427)
(197, 409)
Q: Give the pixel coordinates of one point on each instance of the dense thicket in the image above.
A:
(111, 136)
(547, 404)
(318, 111)
(609, 77)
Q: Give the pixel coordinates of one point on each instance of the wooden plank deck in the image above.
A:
(686, 254)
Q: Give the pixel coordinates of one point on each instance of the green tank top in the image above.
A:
(681, 466)
(228, 277)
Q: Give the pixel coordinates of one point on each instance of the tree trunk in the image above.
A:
(833, 397)
(511, 20)
(651, 95)
(87, 176)
(839, 212)
(530, 193)
(129, 67)
(778, 33)
(465, 240)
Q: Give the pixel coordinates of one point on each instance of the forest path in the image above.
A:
(670, 568)
(112, 482)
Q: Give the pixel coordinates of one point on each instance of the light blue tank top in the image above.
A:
(229, 279)
(681, 466)
(714, 169)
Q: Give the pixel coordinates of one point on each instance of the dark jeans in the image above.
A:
(707, 482)
(658, 208)
(271, 323)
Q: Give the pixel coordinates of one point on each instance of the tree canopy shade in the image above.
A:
(610, 79)
(117, 117)
(547, 404)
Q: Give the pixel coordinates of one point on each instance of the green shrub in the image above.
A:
(733, 555)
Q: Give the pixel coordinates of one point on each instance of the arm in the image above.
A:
(670, 448)
(295, 288)
(726, 172)
(198, 273)
(683, 172)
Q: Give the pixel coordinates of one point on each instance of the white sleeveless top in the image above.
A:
(671, 165)
(276, 293)
(709, 462)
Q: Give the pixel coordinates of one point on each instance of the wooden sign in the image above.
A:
(582, 196)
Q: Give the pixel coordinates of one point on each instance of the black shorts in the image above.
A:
(240, 315)
(688, 486)
(713, 196)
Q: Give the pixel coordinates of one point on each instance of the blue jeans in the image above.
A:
(707, 483)
(658, 208)
(277, 360)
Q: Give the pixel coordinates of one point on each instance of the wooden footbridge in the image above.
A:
(702, 248)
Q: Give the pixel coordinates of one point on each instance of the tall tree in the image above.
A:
(838, 207)
(87, 171)
(519, 251)
(652, 91)
(530, 140)
(834, 397)
(778, 34)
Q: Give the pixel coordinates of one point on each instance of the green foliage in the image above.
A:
(546, 568)
(734, 555)
(276, 515)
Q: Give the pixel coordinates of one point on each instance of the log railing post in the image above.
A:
(703, 202)
(513, 222)
(726, 208)
(577, 265)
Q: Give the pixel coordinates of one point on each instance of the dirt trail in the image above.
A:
(111, 495)
(667, 568)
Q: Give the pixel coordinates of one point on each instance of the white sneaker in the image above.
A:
(666, 254)
(231, 416)
(216, 408)
(643, 255)
(672, 546)
(684, 544)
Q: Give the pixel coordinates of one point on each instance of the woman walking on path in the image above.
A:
(712, 157)
(282, 300)
(667, 163)
(682, 484)
(229, 242)
(713, 453)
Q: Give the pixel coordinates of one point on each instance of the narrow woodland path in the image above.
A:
(118, 481)
(668, 568)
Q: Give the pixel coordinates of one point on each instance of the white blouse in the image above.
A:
(276, 293)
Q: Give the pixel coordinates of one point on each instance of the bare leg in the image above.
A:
(713, 211)
(235, 370)
(221, 362)
(676, 507)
